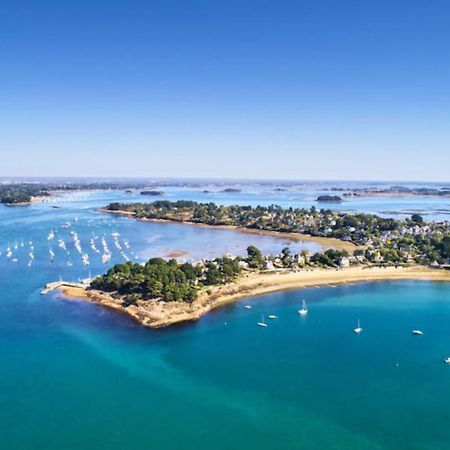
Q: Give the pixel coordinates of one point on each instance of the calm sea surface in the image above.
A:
(76, 376)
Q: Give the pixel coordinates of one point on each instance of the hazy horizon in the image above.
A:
(218, 180)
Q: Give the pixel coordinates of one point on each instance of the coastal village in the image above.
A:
(356, 247)
(375, 240)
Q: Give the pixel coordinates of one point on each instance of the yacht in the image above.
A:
(304, 309)
(273, 316)
(417, 332)
(247, 307)
(358, 329)
(61, 244)
(106, 258)
(85, 259)
(262, 323)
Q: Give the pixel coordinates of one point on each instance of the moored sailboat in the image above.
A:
(304, 310)
(358, 329)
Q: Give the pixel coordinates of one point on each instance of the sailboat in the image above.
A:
(447, 360)
(358, 329)
(61, 244)
(304, 309)
(262, 323)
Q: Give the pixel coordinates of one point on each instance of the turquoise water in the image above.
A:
(74, 375)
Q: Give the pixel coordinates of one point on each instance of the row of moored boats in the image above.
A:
(303, 311)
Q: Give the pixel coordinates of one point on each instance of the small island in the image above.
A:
(153, 193)
(231, 190)
(329, 198)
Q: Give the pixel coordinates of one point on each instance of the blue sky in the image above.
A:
(288, 89)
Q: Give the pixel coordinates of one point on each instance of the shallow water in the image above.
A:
(75, 375)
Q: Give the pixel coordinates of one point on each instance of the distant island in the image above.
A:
(21, 194)
(394, 191)
(329, 198)
(24, 193)
(153, 193)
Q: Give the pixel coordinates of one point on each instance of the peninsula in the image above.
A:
(162, 292)
(160, 314)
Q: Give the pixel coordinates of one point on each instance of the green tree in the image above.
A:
(255, 259)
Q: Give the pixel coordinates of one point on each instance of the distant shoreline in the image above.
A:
(157, 314)
(324, 242)
(37, 199)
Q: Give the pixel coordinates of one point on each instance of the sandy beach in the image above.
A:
(324, 242)
(157, 314)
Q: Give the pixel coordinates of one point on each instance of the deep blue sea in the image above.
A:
(76, 376)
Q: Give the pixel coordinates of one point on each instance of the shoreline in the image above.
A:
(394, 194)
(324, 242)
(37, 199)
(157, 314)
